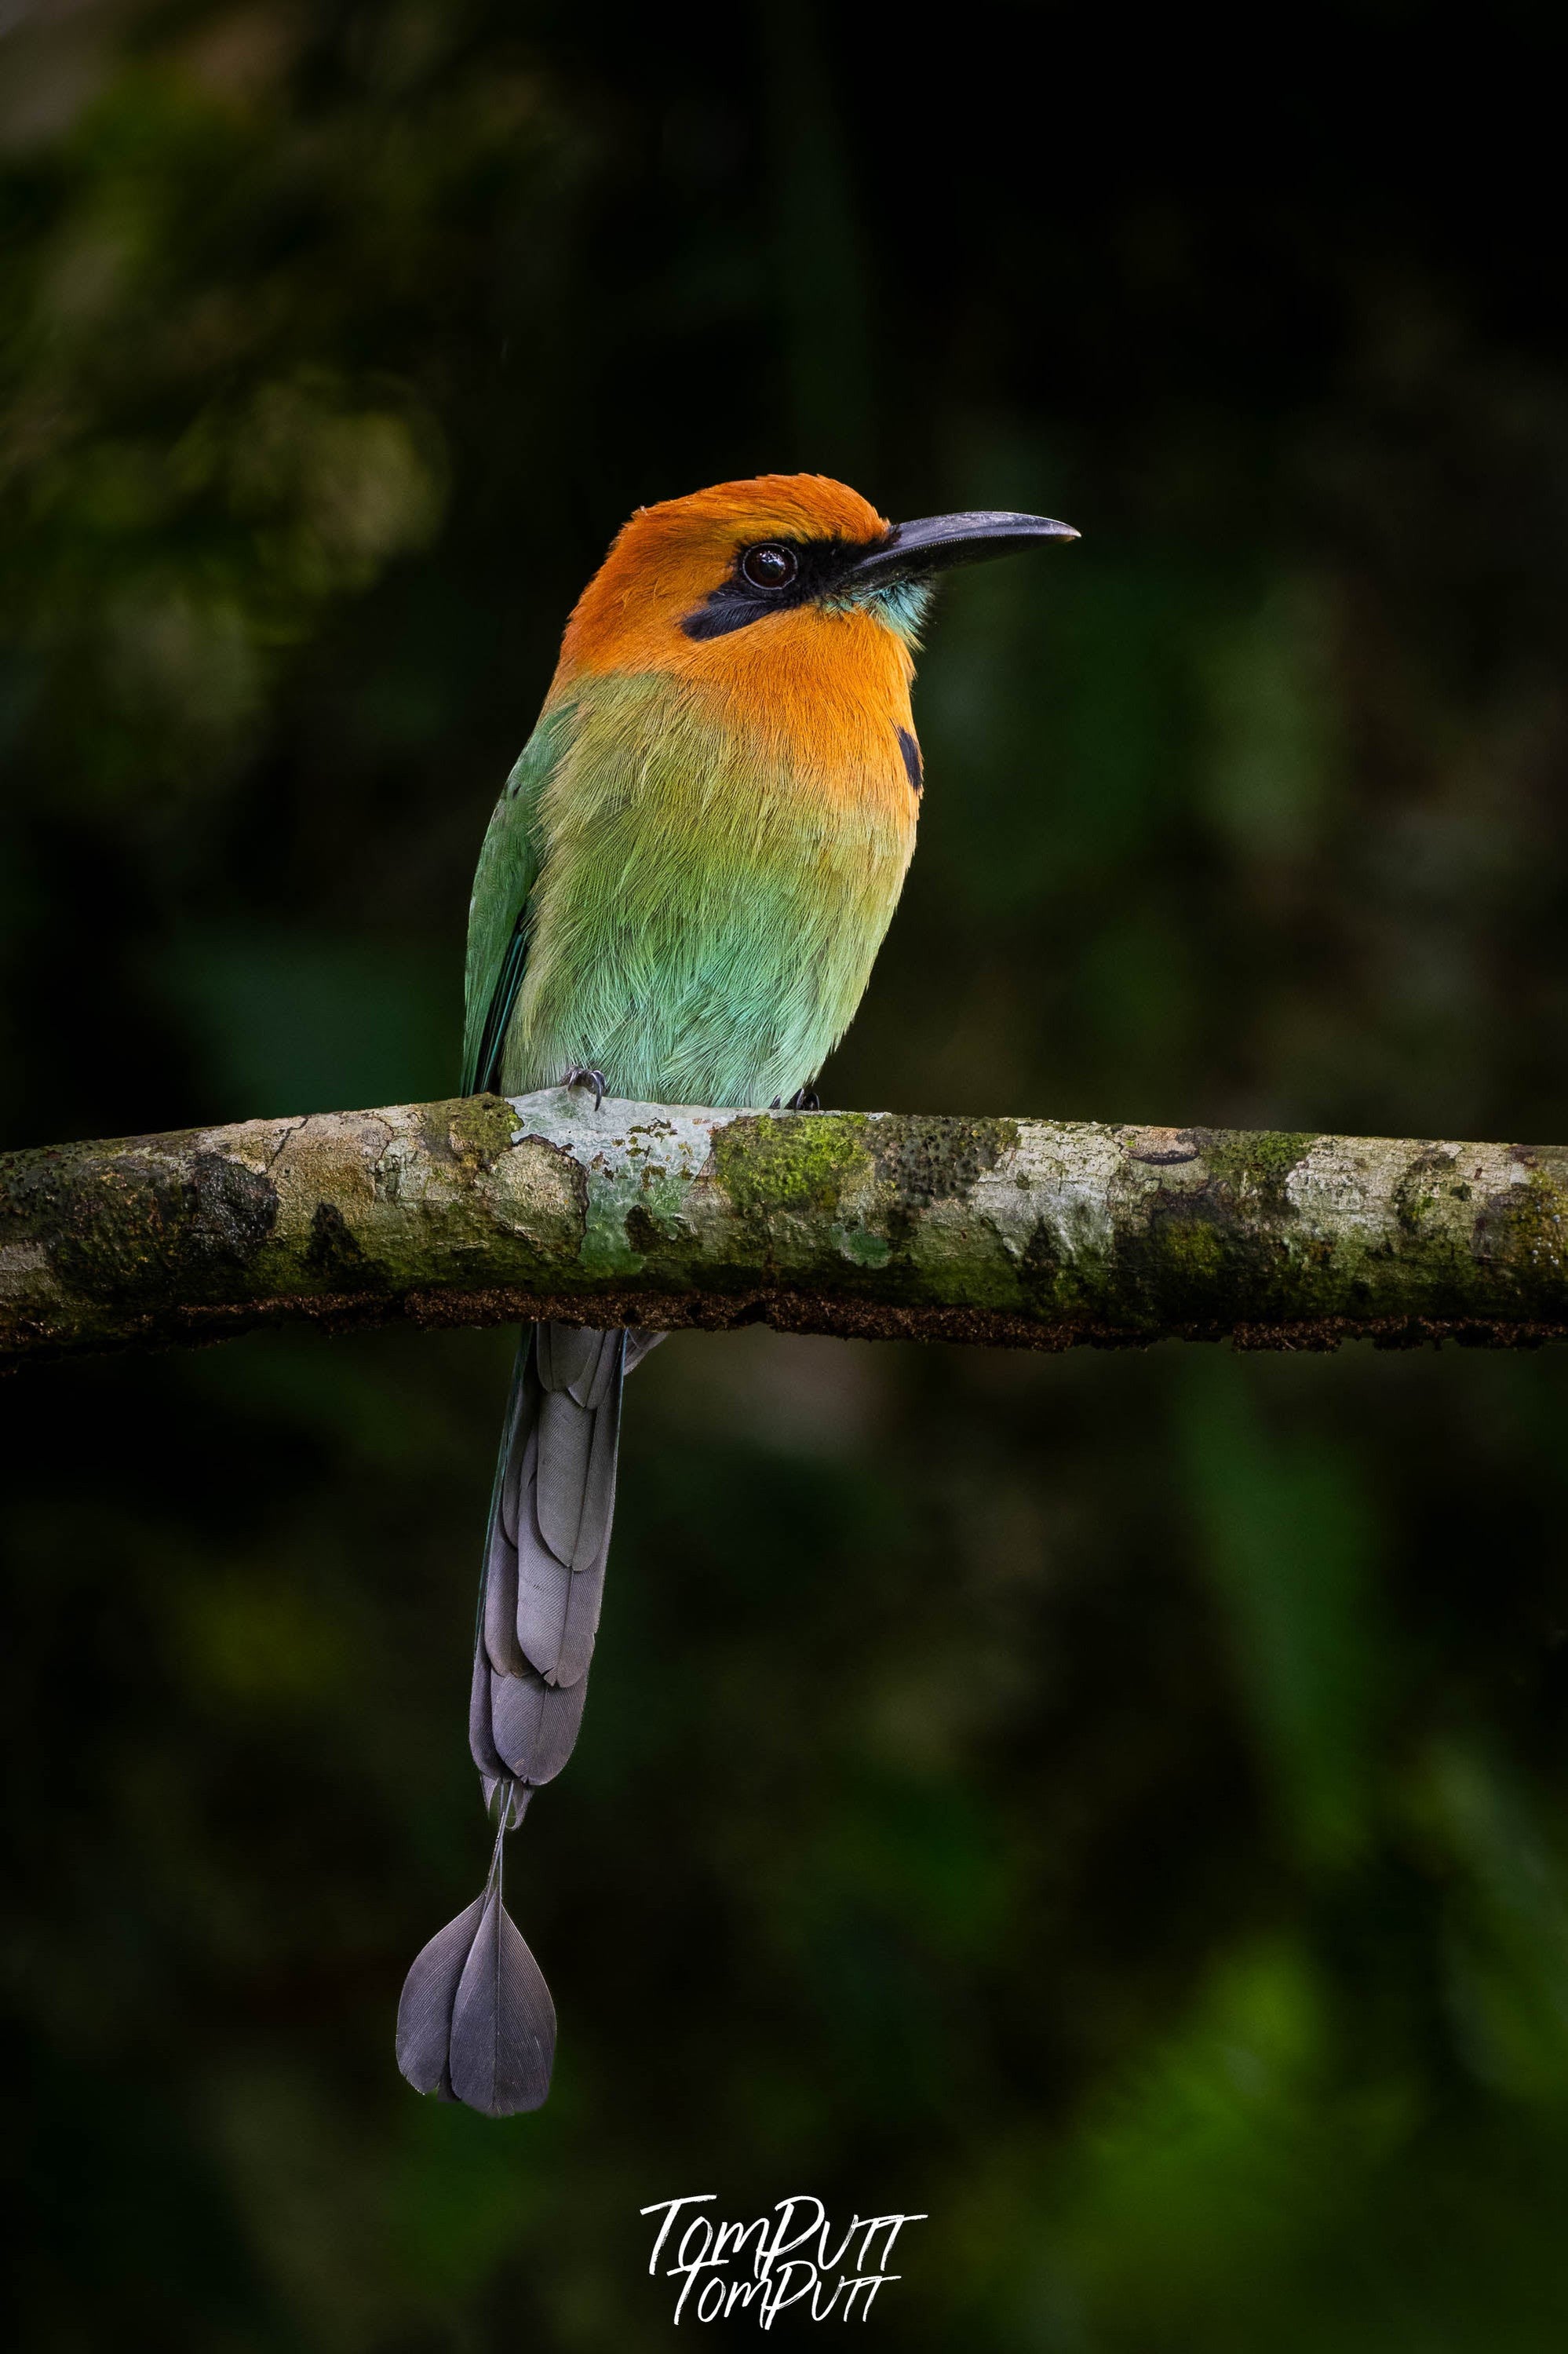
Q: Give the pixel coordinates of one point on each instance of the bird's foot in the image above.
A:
(580, 1076)
(803, 1099)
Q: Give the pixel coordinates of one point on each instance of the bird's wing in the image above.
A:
(498, 913)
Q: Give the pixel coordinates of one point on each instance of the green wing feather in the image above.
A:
(500, 913)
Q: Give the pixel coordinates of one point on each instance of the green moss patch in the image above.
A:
(1254, 1167)
(480, 1129)
(797, 1161)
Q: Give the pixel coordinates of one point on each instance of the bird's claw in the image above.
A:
(580, 1076)
(803, 1099)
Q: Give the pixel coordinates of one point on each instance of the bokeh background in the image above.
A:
(1117, 1804)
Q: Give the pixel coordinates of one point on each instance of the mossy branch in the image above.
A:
(1033, 1233)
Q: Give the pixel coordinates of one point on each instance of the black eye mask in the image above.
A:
(821, 566)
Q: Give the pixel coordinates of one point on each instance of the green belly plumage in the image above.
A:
(704, 918)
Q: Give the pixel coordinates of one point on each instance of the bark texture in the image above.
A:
(1026, 1231)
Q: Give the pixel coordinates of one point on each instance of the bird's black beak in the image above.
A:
(912, 551)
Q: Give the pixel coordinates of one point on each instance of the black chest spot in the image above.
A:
(911, 751)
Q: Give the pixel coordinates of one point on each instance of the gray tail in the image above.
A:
(476, 2023)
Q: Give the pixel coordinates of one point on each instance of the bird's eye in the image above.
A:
(769, 565)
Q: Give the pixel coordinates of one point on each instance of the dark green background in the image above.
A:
(1117, 1804)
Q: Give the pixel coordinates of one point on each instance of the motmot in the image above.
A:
(679, 899)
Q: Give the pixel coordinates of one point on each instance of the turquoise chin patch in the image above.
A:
(901, 605)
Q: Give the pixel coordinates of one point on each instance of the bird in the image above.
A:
(679, 899)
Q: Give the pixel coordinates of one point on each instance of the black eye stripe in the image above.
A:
(739, 601)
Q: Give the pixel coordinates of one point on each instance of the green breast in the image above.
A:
(704, 918)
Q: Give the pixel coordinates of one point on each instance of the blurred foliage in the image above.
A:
(1117, 1805)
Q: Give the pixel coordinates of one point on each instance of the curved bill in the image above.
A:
(933, 543)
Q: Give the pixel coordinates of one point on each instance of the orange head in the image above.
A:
(687, 580)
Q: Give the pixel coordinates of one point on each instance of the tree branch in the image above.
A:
(1037, 1232)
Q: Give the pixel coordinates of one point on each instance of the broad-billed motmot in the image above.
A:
(678, 900)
